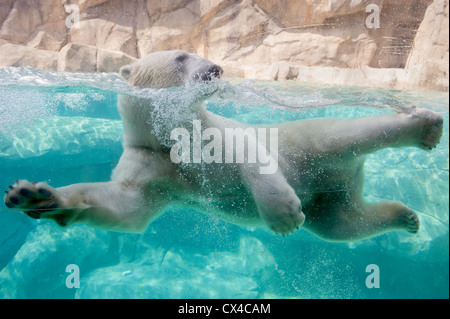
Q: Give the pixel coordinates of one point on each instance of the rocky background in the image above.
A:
(325, 41)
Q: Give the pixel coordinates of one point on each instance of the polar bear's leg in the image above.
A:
(106, 205)
(365, 220)
(423, 129)
(124, 204)
(277, 203)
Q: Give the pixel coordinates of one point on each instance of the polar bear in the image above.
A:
(318, 182)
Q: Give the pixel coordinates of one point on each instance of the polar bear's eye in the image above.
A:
(181, 58)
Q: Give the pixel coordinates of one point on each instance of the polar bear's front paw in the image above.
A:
(37, 200)
(284, 217)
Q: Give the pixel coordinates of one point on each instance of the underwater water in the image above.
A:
(64, 128)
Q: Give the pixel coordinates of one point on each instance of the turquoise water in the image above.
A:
(64, 128)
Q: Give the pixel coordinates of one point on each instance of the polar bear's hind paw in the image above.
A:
(410, 221)
(432, 128)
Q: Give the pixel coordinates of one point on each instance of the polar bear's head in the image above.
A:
(170, 68)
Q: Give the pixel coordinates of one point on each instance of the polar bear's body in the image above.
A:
(318, 182)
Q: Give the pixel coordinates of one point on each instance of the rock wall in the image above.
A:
(307, 40)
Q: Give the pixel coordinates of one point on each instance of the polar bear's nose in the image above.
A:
(215, 71)
(208, 73)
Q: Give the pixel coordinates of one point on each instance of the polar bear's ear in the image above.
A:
(125, 71)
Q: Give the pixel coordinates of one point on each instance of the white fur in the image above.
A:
(320, 170)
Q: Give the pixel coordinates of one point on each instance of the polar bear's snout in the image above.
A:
(194, 68)
(209, 73)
